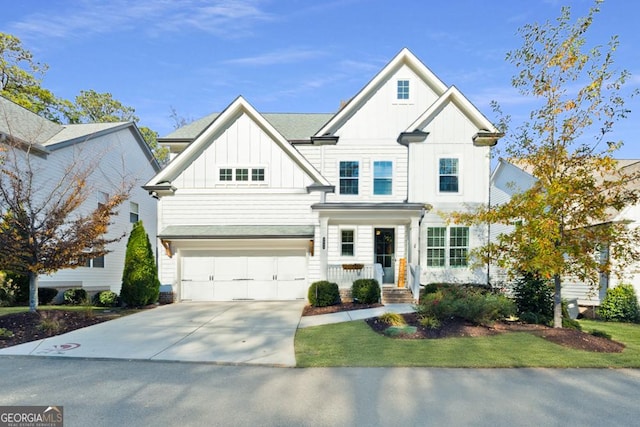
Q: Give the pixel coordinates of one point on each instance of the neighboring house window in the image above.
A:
(349, 177)
(103, 198)
(134, 212)
(442, 251)
(257, 174)
(403, 89)
(382, 177)
(97, 262)
(448, 175)
(242, 174)
(226, 174)
(436, 239)
(458, 246)
(347, 242)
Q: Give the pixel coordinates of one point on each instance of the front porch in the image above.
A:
(408, 280)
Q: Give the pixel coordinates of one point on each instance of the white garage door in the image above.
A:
(234, 277)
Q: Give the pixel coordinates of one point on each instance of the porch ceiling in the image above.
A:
(367, 212)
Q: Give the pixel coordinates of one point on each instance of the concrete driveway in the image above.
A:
(243, 332)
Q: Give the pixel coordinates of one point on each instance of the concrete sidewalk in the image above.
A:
(243, 332)
(347, 316)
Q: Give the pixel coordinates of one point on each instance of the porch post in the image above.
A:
(323, 247)
(414, 241)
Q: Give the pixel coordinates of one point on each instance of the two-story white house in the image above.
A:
(116, 152)
(259, 206)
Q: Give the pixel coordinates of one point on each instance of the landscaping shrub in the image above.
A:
(430, 288)
(474, 304)
(105, 299)
(533, 297)
(393, 319)
(323, 294)
(46, 295)
(365, 291)
(8, 291)
(21, 283)
(140, 283)
(620, 304)
(75, 296)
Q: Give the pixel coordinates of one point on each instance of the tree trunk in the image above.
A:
(33, 291)
(557, 302)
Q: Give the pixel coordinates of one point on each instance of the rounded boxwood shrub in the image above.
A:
(323, 294)
(46, 295)
(105, 299)
(620, 304)
(75, 296)
(365, 291)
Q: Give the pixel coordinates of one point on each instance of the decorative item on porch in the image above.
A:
(352, 266)
(402, 272)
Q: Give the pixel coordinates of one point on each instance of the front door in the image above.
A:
(385, 244)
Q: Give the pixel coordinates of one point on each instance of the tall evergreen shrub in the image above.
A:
(140, 283)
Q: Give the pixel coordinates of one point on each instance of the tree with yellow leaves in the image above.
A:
(566, 215)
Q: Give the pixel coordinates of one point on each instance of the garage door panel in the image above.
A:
(254, 276)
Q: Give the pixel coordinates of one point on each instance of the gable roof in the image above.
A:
(46, 136)
(233, 111)
(453, 95)
(404, 57)
(293, 126)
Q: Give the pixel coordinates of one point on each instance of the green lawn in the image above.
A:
(355, 344)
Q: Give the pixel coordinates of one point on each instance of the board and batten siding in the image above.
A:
(450, 136)
(117, 157)
(243, 145)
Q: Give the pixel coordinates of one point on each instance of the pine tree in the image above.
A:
(140, 283)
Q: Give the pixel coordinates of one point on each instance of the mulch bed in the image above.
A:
(345, 306)
(25, 325)
(456, 327)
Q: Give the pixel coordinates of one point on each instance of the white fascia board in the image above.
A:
(405, 56)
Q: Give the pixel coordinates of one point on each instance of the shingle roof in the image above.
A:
(293, 126)
(236, 231)
(24, 125)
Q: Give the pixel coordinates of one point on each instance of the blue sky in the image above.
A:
(197, 56)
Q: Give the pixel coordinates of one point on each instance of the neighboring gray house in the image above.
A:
(120, 153)
(508, 179)
(259, 206)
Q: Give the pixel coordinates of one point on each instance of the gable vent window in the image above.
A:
(244, 175)
(226, 174)
(257, 174)
(403, 89)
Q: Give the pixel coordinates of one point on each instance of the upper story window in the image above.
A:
(226, 174)
(103, 198)
(382, 177)
(134, 212)
(241, 175)
(449, 175)
(403, 90)
(349, 173)
(347, 242)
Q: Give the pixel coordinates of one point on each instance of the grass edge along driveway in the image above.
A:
(356, 344)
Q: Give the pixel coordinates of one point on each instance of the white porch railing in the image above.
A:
(413, 281)
(336, 273)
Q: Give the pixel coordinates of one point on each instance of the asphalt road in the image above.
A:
(147, 393)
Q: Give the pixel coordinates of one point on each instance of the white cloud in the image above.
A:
(277, 57)
(225, 18)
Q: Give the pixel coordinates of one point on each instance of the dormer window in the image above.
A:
(403, 90)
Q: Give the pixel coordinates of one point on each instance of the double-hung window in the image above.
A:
(449, 181)
(347, 242)
(349, 174)
(382, 177)
(452, 251)
(134, 212)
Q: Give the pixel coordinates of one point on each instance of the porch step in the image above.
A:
(391, 295)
